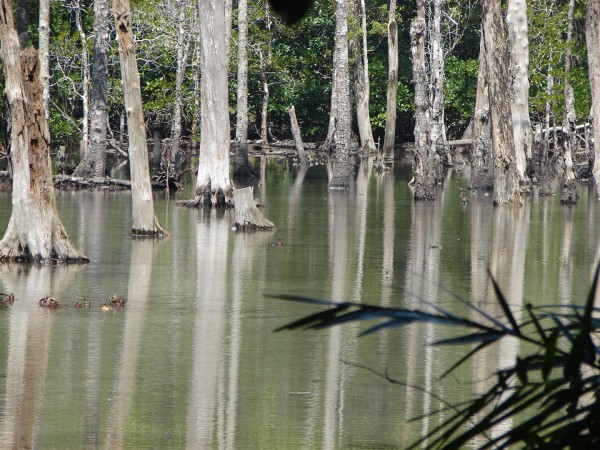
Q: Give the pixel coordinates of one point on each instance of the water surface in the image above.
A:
(192, 361)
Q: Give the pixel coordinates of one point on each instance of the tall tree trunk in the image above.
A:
(342, 168)
(506, 178)
(35, 231)
(361, 80)
(44, 51)
(437, 137)
(518, 44)
(93, 163)
(145, 223)
(569, 191)
(228, 22)
(182, 55)
(592, 34)
(482, 171)
(22, 22)
(85, 76)
(264, 111)
(389, 139)
(424, 164)
(241, 167)
(213, 185)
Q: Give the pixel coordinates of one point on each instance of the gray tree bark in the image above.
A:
(182, 56)
(302, 156)
(213, 186)
(44, 51)
(482, 170)
(592, 33)
(424, 164)
(437, 137)
(93, 163)
(392, 88)
(569, 191)
(518, 44)
(358, 46)
(145, 222)
(241, 166)
(35, 232)
(85, 88)
(342, 168)
(506, 178)
(22, 22)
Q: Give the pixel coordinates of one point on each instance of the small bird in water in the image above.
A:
(279, 243)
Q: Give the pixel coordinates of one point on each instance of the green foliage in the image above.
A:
(550, 393)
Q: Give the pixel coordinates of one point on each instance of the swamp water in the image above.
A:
(192, 360)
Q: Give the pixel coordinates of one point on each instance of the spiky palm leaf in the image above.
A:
(551, 394)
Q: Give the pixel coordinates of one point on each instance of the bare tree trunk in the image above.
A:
(264, 62)
(93, 163)
(145, 222)
(22, 22)
(241, 166)
(302, 156)
(482, 172)
(85, 75)
(389, 139)
(157, 148)
(424, 158)
(213, 185)
(592, 32)
(44, 51)
(35, 231)
(437, 137)
(506, 179)
(358, 47)
(518, 44)
(228, 22)
(569, 191)
(341, 136)
(182, 56)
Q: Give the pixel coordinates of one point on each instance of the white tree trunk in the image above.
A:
(341, 135)
(44, 50)
(85, 76)
(437, 137)
(35, 231)
(361, 81)
(592, 33)
(182, 56)
(506, 178)
(145, 223)
(93, 163)
(213, 186)
(392, 88)
(518, 44)
(569, 191)
(424, 156)
(241, 166)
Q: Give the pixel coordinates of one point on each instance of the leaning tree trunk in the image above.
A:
(518, 44)
(424, 164)
(35, 231)
(145, 223)
(569, 191)
(506, 178)
(241, 166)
(592, 34)
(213, 186)
(342, 169)
(361, 81)
(482, 172)
(389, 139)
(93, 163)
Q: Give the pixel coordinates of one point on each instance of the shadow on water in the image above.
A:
(191, 362)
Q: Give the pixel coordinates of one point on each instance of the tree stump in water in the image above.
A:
(247, 215)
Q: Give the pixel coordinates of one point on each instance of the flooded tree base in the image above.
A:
(247, 215)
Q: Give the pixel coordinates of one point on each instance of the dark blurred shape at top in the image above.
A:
(291, 11)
